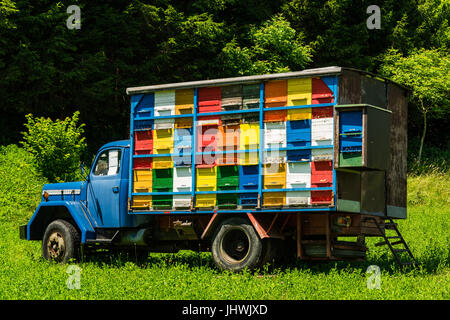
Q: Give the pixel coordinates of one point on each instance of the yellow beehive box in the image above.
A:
(206, 178)
(184, 101)
(274, 199)
(275, 175)
(162, 163)
(142, 202)
(162, 139)
(142, 175)
(142, 180)
(248, 158)
(249, 136)
(181, 123)
(299, 114)
(205, 200)
(299, 93)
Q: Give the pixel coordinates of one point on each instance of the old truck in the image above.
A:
(252, 168)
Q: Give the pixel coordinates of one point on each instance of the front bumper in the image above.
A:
(23, 232)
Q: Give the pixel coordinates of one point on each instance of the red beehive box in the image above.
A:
(143, 163)
(321, 174)
(209, 119)
(209, 100)
(321, 197)
(321, 93)
(321, 177)
(143, 142)
(322, 112)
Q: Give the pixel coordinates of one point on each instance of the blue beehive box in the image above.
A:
(248, 180)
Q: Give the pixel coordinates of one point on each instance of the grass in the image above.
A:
(188, 275)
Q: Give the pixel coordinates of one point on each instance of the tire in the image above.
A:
(61, 242)
(237, 246)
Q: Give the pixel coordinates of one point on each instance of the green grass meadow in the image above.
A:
(188, 275)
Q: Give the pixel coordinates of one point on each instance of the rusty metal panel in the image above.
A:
(349, 87)
(348, 191)
(377, 138)
(373, 200)
(396, 174)
(373, 91)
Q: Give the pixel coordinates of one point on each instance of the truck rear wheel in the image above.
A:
(61, 242)
(236, 246)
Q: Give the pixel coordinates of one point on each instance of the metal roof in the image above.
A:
(251, 79)
(236, 80)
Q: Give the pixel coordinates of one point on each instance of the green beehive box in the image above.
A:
(227, 200)
(350, 159)
(162, 201)
(162, 178)
(227, 176)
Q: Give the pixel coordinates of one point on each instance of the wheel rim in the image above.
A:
(235, 245)
(56, 246)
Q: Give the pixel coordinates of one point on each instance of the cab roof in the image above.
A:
(119, 143)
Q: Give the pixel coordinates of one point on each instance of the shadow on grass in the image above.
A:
(193, 260)
(119, 259)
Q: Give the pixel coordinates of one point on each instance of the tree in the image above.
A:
(427, 73)
(57, 146)
(276, 47)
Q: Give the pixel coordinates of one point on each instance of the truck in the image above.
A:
(255, 169)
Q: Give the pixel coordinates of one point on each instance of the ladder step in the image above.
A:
(396, 242)
(379, 244)
(314, 242)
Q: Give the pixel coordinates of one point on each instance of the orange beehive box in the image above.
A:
(275, 94)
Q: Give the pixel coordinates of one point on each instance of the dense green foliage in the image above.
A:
(427, 73)
(188, 275)
(57, 146)
(49, 70)
(20, 185)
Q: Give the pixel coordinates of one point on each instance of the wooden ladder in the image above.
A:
(396, 239)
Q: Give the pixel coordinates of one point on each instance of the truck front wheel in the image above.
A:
(236, 246)
(61, 242)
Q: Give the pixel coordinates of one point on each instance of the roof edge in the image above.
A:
(236, 80)
(333, 70)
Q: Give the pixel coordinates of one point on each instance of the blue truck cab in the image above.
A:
(94, 209)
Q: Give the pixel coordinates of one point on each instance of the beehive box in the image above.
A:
(310, 124)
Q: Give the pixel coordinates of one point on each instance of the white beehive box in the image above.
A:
(321, 131)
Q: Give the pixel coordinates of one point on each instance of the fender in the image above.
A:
(47, 212)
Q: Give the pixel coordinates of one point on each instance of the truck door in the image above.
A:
(104, 188)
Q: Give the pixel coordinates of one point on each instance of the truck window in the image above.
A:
(108, 163)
